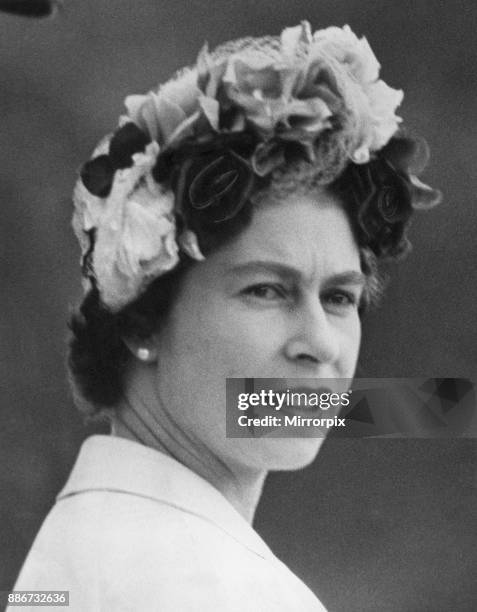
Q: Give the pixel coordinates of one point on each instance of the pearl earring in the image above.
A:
(143, 354)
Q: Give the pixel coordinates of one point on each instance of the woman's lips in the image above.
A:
(294, 401)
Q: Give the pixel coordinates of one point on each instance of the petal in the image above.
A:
(406, 154)
(353, 53)
(212, 183)
(423, 196)
(382, 122)
(126, 141)
(203, 62)
(292, 78)
(142, 110)
(141, 238)
(370, 67)
(267, 157)
(190, 245)
(254, 72)
(210, 108)
(322, 75)
(219, 183)
(216, 73)
(344, 34)
(183, 91)
(305, 120)
(313, 108)
(384, 99)
(256, 110)
(97, 175)
(160, 201)
(210, 72)
(383, 131)
(293, 39)
(134, 103)
(169, 116)
(184, 129)
(129, 238)
(238, 123)
(132, 249)
(171, 249)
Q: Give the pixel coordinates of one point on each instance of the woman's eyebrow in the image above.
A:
(347, 277)
(267, 266)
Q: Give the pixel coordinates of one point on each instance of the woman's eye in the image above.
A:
(342, 299)
(265, 291)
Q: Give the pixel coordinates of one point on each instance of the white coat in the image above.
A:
(135, 530)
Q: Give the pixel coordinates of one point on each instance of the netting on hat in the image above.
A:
(269, 46)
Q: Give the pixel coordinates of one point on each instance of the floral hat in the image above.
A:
(213, 133)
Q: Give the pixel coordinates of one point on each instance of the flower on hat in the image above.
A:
(135, 231)
(178, 110)
(377, 102)
(218, 126)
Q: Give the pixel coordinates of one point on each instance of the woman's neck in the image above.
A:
(139, 417)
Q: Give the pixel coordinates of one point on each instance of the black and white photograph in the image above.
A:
(238, 324)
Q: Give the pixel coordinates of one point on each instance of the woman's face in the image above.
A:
(280, 301)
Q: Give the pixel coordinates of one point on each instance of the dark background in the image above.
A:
(373, 525)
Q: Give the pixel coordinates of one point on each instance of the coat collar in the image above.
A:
(108, 463)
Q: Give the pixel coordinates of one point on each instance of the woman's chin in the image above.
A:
(286, 453)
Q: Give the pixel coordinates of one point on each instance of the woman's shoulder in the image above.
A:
(102, 521)
(107, 544)
(112, 527)
(117, 551)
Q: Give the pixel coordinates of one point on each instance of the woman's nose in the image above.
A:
(313, 338)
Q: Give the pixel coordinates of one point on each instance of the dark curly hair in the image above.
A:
(378, 197)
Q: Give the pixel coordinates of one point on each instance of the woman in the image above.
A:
(230, 227)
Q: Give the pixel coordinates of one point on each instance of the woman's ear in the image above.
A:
(143, 349)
